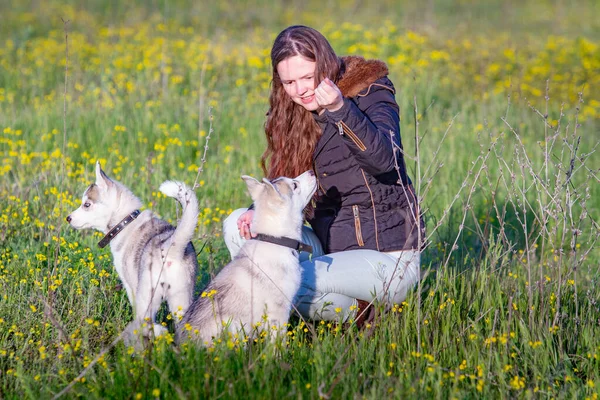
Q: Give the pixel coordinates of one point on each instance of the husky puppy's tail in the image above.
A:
(189, 219)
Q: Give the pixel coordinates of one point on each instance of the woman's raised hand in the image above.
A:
(243, 224)
(329, 96)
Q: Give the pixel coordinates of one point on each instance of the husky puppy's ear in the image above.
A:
(102, 180)
(269, 186)
(254, 186)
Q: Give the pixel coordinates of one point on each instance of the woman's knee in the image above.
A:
(231, 233)
(230, 223)
(408, 276)
(310, 238)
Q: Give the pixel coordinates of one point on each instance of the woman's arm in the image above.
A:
(370, 134)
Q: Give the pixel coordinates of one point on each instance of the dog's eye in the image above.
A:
(86, 205)
(295, 185)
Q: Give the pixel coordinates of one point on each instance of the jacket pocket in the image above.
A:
(357, 227)
(345, 130)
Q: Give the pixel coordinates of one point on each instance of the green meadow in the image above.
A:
(500, 119)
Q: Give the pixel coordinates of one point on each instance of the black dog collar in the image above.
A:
(118, 228)
(285, 241)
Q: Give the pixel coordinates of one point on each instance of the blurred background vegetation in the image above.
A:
(445, 17)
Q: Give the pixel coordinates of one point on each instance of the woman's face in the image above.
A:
(297, 75)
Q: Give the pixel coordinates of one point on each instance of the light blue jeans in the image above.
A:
(331, 283)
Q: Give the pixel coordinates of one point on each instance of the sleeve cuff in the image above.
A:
(337, 116)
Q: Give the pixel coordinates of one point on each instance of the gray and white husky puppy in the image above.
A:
(256, 289)
(154, 260)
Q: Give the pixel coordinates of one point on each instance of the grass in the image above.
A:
(507, 166)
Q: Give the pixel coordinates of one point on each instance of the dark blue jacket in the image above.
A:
(365, 199)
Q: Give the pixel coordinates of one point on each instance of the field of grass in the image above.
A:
(500, 116)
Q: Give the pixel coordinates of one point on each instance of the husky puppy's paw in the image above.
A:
(159, 330)
(132, 336)
(136, 335)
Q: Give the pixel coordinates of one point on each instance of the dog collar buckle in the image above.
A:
(118, 228)
(304, 247)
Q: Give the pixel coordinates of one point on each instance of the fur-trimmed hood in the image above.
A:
(358, 74)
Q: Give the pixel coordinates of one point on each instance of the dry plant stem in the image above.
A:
(48, 307)
(417, 217)
(65, 28)
(417, 160)
(434, 159)
(49, 313)
(415, 213)
(556, 200)
(165, 376)
(201, 98)
(64, 144)
(528, 253)
(413, 208)
(203, 161)
(89, 367)
(340, 374)
(526, 165)
(574, 230)
(544, 198)
(481, 234)
(422, 193)
(492, 189)
(51, 271)
(508, 185)
(446, 211)
(523, 205)
(425, 241)
(493, 334)
(422, 138)
(571, 198)
(526, 162)
(164, 77)
(501, 215)
(464, 331)
(471, 191)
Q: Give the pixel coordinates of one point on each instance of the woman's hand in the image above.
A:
(243, 224)
(329, 96)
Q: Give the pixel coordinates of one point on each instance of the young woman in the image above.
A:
(338, 117)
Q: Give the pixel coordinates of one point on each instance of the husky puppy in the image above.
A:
(154, 260)
(255, 290)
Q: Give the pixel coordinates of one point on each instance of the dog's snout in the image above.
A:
(68, 218)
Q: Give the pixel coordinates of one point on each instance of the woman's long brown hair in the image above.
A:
(291, 130)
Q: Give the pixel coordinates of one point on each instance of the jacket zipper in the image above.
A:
(344, 129)
(373, 206)
(318, 180)
(357, 227)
